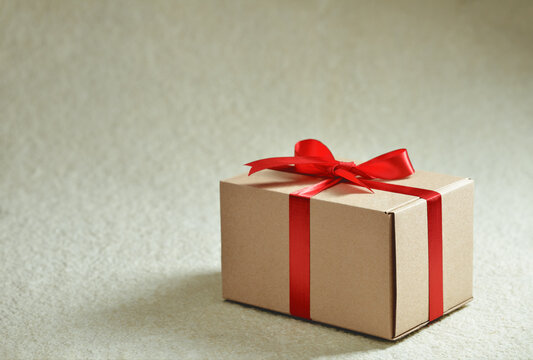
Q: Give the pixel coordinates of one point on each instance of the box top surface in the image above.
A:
(348, 194)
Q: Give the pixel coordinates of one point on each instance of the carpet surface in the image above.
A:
(118, 119)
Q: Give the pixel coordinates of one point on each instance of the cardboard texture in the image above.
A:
(369, 252)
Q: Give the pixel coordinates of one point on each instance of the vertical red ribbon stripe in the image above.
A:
(299, 255)
(300, 246)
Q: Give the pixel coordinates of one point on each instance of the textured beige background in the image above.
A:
(117, 119)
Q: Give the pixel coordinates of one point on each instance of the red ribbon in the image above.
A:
(311, 157)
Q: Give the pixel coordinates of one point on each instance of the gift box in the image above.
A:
(376, 248)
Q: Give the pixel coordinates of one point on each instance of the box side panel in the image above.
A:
(352, 279)
(457, 244)
(255, 246)
(412, 279)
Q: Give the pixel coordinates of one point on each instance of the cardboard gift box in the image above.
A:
(378, 263)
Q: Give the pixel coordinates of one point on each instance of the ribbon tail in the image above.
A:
(352, 178)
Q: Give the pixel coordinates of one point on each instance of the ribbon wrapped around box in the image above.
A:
(373, 247)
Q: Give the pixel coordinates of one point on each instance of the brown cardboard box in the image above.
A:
(369, 252)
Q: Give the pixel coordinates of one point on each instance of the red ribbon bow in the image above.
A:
(312, 157)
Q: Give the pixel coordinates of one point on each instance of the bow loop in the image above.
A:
(389, 166)
(313, 148)
(316, 149)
